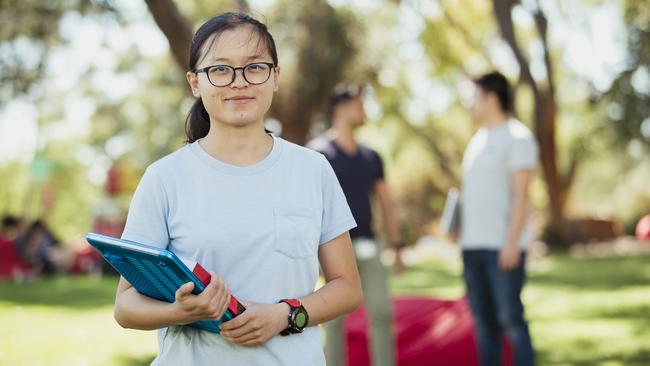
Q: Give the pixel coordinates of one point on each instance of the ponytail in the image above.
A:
(197, 124)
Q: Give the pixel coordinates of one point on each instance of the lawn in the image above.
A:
(582, 312)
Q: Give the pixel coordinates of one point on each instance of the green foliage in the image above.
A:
(15, 183)
(628, 99)
(29, 31)
(319, 44)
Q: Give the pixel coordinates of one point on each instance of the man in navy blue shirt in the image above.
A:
(360, 171)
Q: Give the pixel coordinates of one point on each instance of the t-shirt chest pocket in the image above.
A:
(296, 231)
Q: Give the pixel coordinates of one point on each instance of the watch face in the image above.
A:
(301, 319)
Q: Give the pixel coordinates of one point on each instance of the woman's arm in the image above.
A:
(342, 292)
(340, 295)
(134, 310)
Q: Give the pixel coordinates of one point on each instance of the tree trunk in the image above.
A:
(545, 111)
(544, 115)
(295, 121)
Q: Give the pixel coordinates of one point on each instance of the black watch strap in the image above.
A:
(298, 317)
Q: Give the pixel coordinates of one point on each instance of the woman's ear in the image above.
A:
(276, 80)
(193, 80)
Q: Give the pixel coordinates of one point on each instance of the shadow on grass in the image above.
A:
(592, 274)
(636, 315)
(70, 292)
(611, 273)
(550, 357)
(133, 360)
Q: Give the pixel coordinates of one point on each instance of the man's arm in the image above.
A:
(509, 256)
(382, 194)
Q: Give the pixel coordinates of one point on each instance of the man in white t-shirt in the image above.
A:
(497, 168)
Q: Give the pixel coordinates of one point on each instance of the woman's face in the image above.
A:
(239, 104)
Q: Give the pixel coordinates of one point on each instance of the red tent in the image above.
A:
(429, 332)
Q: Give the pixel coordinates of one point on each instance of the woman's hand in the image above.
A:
(256, 325)
(210, 304)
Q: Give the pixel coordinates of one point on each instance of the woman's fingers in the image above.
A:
(250, 339)
(211, 298)
(236, 333)
(184, 291)
(219, 303)
(236, 323)
(215, 283)
(251, 328)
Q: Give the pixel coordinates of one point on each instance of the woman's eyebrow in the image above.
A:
(249, 58)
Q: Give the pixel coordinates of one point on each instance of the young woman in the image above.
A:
(258, 212)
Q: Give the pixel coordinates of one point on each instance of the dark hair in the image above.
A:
(342, 93)
(197, 124)
(10, 222)
(36, 227)
(496, 83)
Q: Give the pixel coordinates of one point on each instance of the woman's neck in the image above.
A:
(239, 146)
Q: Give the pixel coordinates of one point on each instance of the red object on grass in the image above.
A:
(11, 265)
(86, 260)
(428, 332)
(643, 228)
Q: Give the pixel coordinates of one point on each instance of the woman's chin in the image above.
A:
(243, 121)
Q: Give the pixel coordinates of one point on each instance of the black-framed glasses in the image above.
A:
(223, 75)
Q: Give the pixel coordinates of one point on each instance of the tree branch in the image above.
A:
(442, 159)
(542, 28)
(175, 27)
(502, 11)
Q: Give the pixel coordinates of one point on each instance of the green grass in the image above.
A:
(67, 321)
(581, 312)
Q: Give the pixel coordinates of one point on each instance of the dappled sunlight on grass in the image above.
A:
(67, 321)
(582, 311)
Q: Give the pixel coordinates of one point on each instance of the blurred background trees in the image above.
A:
(92, 87)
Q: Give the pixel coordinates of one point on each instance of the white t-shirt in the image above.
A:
(491, 157)
(258, 226)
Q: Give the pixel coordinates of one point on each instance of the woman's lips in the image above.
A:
(240, 100)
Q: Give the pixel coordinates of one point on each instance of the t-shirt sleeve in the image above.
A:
(146, 222)
(523, 154)
(336, 216)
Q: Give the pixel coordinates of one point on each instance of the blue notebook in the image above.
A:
(158, 273)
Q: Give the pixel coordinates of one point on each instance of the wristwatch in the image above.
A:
(298, 317)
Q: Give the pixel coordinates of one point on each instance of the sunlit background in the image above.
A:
(91, 92)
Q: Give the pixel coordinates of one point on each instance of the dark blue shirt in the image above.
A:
(357, 175)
